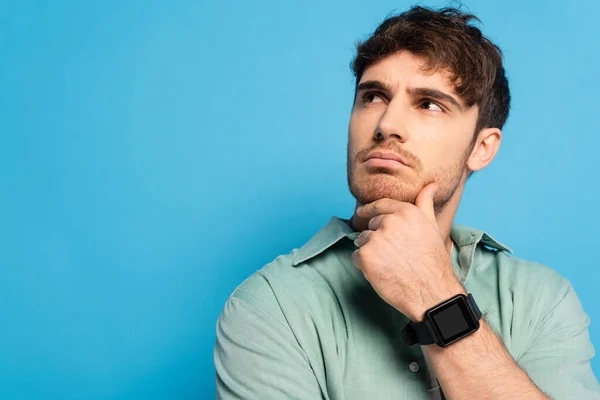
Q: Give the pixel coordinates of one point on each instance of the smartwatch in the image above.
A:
(445, 323)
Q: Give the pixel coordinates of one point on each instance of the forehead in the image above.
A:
(405, 69)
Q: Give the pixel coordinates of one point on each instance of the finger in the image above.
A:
(378, 207)
(363, 238)
(375, 222)
(356, 260)
(425, 203)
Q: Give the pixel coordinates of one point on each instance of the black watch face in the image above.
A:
(453, 320)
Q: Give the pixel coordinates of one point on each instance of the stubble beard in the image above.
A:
(371, 184)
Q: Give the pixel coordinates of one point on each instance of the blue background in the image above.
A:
(152, 152)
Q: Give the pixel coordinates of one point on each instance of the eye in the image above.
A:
(430, 105)
(372, 97)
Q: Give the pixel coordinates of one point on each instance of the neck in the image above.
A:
(444, 217)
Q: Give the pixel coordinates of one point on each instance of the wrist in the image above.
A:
(465, 353)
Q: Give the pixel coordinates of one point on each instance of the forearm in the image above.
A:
(479, 367)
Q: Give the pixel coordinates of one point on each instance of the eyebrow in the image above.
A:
(436, 95)
(426, 92)
(373, 85)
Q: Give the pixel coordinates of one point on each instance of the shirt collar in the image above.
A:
(338, 228)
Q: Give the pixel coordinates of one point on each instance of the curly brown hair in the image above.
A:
(447, 41)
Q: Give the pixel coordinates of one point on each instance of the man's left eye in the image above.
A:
(430, 105)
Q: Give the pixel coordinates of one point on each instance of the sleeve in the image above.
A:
(558, 357)
(257, 356)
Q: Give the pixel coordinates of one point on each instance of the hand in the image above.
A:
(403, 255)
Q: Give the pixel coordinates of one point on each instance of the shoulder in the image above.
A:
(523, 297)
(520, 275)
(257, 289)
(281, 284)
(488, 258)
(521, 283)
(306, 273)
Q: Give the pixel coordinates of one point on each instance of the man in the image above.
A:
(389, 304)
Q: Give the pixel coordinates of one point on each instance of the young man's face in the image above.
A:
(401, 109)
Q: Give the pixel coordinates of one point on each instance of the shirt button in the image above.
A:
(413, 366)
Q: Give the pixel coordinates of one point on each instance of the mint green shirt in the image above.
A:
(308, 325)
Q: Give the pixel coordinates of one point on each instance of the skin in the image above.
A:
(407, 212)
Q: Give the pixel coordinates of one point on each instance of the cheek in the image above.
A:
(352, 147)
(354, 129)
(358, 137)
(363, 123)
(441, 156)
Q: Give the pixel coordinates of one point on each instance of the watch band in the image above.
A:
(473, 306)
(422, 332)
(418, 332)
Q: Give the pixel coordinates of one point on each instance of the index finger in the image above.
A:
(378, 207)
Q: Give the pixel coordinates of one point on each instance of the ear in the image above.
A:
(485, 148)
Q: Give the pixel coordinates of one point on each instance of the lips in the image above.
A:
(387, 156)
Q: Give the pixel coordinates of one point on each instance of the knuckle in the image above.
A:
(385, 222)
(374, 208)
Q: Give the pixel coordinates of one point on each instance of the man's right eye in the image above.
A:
(372, 97)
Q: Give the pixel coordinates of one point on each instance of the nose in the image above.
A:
(392, 124)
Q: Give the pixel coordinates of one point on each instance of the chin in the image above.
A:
(370, 188)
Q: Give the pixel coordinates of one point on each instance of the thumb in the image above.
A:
(424, 202)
